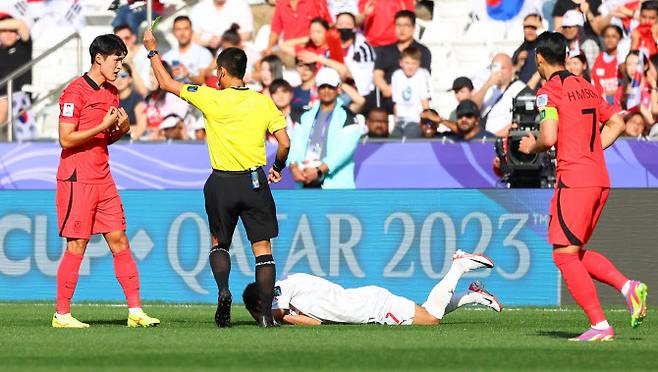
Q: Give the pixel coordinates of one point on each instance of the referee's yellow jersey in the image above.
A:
(236, 122)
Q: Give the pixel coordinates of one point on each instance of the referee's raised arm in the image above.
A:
(165, 81)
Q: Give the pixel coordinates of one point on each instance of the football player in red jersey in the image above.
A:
(572, 104)
(87, 199)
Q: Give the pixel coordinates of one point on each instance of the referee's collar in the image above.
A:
(91, 82)
(240, 88)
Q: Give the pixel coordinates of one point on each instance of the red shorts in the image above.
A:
(84, 209)
(574, 214)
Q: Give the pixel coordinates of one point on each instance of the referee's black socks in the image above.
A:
(220, 264)
(265, 275)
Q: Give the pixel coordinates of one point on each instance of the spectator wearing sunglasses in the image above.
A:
(524, 56)
(132, 102)
(468, 124)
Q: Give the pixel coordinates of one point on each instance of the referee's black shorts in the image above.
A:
(230, 195)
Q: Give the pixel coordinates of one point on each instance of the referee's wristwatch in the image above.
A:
(152, 54)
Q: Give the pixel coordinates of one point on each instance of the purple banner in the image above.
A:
(419, 165)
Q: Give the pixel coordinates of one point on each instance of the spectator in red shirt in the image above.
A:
(605, 71)
(292, 19)
(321, 47)
(647, 83)
(644, 37)
(380, 19)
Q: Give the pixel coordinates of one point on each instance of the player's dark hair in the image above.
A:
(234, 60)
(347, 14)
(406, 14)
(250, 297)
(617, 29)
(232, 35)
(553, 47)
(280, 84)
(182, 18)
(107, 45)
(121, 27)
(649, 5)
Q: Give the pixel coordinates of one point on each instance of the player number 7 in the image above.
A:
(591, 111)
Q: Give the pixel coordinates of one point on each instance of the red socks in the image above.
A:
(580, 285)
(126, 272)
(601, 269)
(67, 279)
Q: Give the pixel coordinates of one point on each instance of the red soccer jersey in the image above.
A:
(580, 161)
(84, 104)
(295, 23)
(605, 75)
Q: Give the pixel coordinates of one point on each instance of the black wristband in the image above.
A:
(278, 166)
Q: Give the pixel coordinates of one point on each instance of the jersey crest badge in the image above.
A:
(542, 100)
(67, 110)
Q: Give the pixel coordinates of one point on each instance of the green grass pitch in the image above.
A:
(469, 339)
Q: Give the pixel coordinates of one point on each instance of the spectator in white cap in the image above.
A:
(172, 128)
(572, 29)
(323, 144)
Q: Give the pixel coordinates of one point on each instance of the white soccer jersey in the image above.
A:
(329, 302)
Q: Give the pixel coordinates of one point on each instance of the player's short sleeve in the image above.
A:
(277, 120)
(201, 97)
(547, 103)
(70, 105)
(282, 296)
(605, 110)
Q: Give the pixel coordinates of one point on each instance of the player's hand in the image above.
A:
(297, 174)
(123, 120)
(273, 176)
(110, 118)
(311, 174)
(527, 143)
(149, 40)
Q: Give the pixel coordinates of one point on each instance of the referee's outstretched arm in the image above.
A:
(165, 81)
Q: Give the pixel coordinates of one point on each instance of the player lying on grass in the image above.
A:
(303, 299)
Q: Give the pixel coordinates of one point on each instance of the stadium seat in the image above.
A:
(439, 32)
(505, 46)
(452, 9)
(486, 31)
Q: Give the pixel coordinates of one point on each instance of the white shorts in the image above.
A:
(391, 309)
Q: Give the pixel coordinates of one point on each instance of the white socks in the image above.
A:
(626, 288)
(62, 316)
(440, 296)
(135, 310)
(600, 326)
(458, 300)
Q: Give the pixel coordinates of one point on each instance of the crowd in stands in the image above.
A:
(384, 83)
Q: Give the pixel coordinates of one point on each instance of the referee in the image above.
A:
(237, 120)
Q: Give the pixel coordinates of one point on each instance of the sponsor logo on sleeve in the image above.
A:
(192, 88)
(542, 100)
(67, 110)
